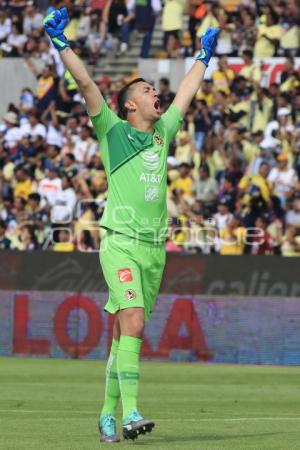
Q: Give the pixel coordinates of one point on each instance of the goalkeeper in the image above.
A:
(134, 151)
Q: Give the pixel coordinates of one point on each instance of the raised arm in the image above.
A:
(87, 87)
(54, 25)
(193, 79)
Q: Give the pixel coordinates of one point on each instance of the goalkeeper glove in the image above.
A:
(54, 25)
(209, 42)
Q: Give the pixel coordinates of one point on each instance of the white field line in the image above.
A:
(212, 419)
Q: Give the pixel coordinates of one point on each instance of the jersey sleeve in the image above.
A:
(243, 184)
(104, 121)
(171, 121)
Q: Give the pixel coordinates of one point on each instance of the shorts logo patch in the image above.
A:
(125, 275)
(130, 294)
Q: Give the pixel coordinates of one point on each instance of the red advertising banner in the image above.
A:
(231, 329)
(75, 325)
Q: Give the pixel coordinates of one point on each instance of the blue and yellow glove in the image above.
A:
(209, 42)
(54, 25)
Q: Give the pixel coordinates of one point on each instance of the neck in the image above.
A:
(141, 124)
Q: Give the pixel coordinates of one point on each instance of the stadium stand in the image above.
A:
(235, 164)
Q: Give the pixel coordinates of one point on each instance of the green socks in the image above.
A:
(128, 371)
(122, 375)
(112, 389)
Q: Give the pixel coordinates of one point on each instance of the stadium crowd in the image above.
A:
(233, 169)
(98, 26)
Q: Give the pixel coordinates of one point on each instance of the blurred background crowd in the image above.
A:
(233, 169)
(98, 26)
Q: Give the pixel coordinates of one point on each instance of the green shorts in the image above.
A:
(133, 271)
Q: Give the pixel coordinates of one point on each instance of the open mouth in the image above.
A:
(157, 105)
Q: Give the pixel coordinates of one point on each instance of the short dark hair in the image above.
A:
(22, 200)
(274, 16)
(87, 128)
(205, 167)
(35, 196)
(258, 133)
(67, 177)
(165, 81)
(21, 168)
(263, 219)
(264, 163)
(184, 165)
(230, 179)
(202, 101)
(70, 156)
(248, 52)
(123, 95)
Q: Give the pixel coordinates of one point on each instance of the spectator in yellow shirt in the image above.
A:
(185, 149)
(238, 110)
(71, 30)
(290, 39)
(250, 71)
(290, 77)
(260, 110)
(206, 93)
(46, 85)
(23, 187)
(64, 243)
(268, 36)
(251, 147)
(185, 182)
(172, 19)
(291, 242)
(223, 77)
(257, 184)
(232, 238)
(209, 21)
(176, 232)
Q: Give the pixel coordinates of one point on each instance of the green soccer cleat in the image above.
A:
(135, 424)
(107, 428)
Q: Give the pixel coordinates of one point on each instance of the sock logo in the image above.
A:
(125, 275)
(130, 294)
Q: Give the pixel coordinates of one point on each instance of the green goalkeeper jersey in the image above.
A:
(136, 167)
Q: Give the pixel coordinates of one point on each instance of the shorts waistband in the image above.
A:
(133, 239)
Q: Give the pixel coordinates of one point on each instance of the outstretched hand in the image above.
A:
(209, 42)
(54, 25)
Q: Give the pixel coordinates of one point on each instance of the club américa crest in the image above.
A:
(130, 294)
(158, 139)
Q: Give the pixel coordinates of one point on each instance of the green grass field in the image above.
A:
(54, 404)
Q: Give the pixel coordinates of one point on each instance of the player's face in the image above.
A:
(146, 101)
